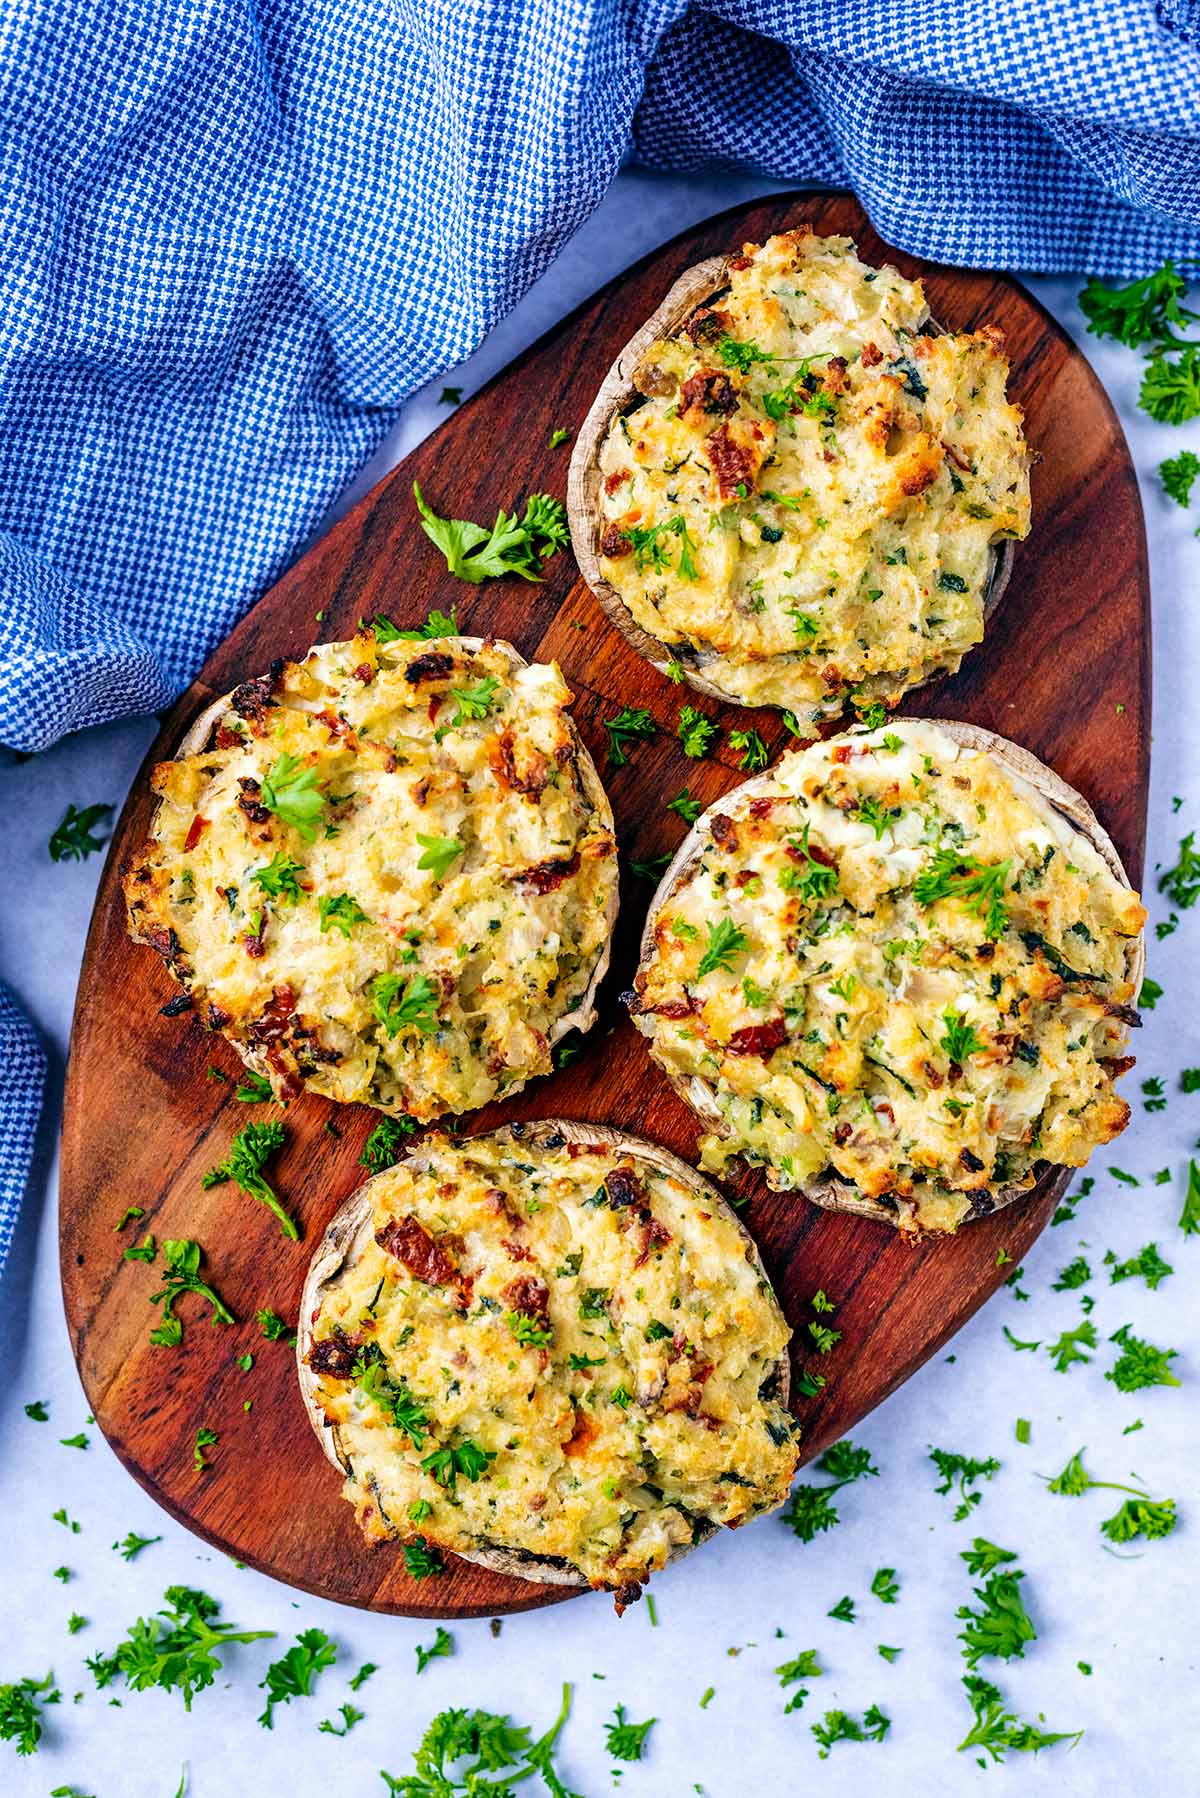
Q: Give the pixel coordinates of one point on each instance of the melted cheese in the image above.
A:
(923, 991)
(604, 1346)
(365, 975)
(845, 554)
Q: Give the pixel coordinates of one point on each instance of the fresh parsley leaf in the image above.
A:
(359, 1679)
(960, 1039)
(630, 724)
(997, 1730)
(1170, 390)
(1001, 1626)
(559, 436)
(255, 1089)
(350, 1715)
(79, 1441)
(696, 732)
(1178, 475)
(809, 878)
(1075, 1480)
(37, 1412)
(1147, 1265)
(885, 1586)
(178, 1648)
(249, 1153)
(1181, 882)
(1189, 1217)
(951, 875)
(1140, 1516)
(204, 1439)
(391, 1394)
(72, 840)
(513, 545)
(183, 1258)
(651, 547)
(1076, 1273)
(790, 1673)
(685, 806)
(742, 356)
(1140, 1363)
(627, 1741)
(437, 624)
(725, 943)
(984, 1557)
(963, 1472)
(441, 1648)
(843, 1610)
(341, 912)
(459, 1746)
(292, 1676)
(1140, 312)
(131, 1545)
(21, 1711)
(291, 792)
(652, 870)
(811, 1509)
(1071, 1344)
(439, 854)
(401, 1004)
(273, 1326)
(382, 1148)
(751, 748)
(837, 1726)
(279, 879)
(421, 1561)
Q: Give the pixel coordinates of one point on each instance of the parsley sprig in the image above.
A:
(293, 1675)
(249, 1153)
(183, 1258)
(461, 1746)
(72, 840)
(952, 875)
(290, 790)
(811, 1509)
(963, 1472)
(1144, 311)
(177, 1648)
(627, 1741)
(514, 545)
(21, 1704)
(838, 1726)
(631, 724)
(401, 1004)
(725, 943)
(382, 1148)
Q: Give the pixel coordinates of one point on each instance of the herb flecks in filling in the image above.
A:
(554, 1349)
(384, 874)
(891, 965)
(803, 502)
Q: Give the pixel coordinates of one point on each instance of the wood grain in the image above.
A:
(1065, 671)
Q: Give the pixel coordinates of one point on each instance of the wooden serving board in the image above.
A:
(1065, 671)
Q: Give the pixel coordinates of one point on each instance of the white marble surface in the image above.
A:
(1132, 1617)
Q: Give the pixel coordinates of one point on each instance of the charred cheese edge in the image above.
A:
(892, 963)
(426, 910)
(805, 501)
(556, 1351)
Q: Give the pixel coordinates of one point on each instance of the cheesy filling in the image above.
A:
(384, 876)
(803, 506)
(557, 1350)
(893, 963)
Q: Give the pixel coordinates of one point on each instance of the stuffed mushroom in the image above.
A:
(897, 971)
